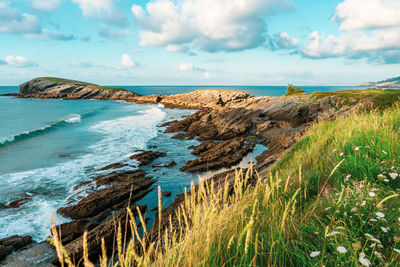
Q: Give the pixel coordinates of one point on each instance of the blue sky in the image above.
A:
(200, 42)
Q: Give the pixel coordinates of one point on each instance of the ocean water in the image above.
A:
(47, 146)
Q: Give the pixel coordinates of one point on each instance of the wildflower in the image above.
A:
(364, 261)
(381, 176)
(363, 203)
(341, 249)
(356, 148)
(333, 233)
(354, 209)
(315, 254)
(384, 229)
(379, 255)
(380, 214)
(341, 154)
(394, 175)
(347, 178)
(386, 180)
(371, 194)
(373, 220)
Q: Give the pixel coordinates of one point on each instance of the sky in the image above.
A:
(200, 42)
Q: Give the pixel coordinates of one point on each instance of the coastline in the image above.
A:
(236, 119)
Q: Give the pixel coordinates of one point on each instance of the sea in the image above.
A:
(48, 146)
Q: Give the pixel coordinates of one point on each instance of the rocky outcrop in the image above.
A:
(146, 157)
(67, 89)
(12, 243)
(215, 155)
(17, 203)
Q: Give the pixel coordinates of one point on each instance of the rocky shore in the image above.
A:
(230, 124)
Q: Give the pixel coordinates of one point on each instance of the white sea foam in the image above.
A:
(51, 186)
(74, 119)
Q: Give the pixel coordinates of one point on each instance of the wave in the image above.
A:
(28, 134)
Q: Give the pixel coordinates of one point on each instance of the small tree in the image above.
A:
(291, 90)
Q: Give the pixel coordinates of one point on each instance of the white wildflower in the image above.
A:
(356, 148)
(364, 261)
(386, 180)
(315, 254)
(371, 194)
(341, 154)
(347, 178)
(380, 214)
(394, 175)
(379, 255)
(384, 229)
(341, 249)
(381, 176)
(333, 233)
(373, 220)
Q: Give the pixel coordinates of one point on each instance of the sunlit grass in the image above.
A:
(331, 201)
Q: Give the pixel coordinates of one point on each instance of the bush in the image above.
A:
(291, 90)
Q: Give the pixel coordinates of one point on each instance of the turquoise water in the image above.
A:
(47, 146)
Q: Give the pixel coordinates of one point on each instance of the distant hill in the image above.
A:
(389, 83)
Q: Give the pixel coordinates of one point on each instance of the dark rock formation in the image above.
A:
(166, 194)
(68, 89)
(146, 157)
(215, 155)
(12, 243)
(17, 203)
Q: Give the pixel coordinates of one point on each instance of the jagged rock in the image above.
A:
(17, 203)
(12, 243)
(113, 166)
(166, 194)
(214, 155)
(146, 157)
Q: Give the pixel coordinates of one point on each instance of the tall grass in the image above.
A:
(332, 200)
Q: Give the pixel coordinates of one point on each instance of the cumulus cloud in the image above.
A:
(127, 62)
(104, 10)
(180, 48)
(14, 21)
(371, 31)
(18, 61)
(47, 5)
(209, 25)
(108, 33)
(282, 41)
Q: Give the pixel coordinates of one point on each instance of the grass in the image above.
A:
(92, 86)
(331, 201)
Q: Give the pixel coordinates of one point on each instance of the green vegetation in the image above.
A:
(381, 98)
(92, 86)
(291, 90)
(331, 201)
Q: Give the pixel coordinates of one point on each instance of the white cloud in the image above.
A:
(180, 48)
(362, 14)
(46, 4)
(283, 41)
(17, 61)
(102, 9)
(206, 24)
(370, 31)
(127, 62)
(14, 21)
(185, 66)
(111, 34)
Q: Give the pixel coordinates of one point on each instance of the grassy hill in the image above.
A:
(333, 200)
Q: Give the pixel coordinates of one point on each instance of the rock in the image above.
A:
(33, 255)
(146, 157)
(10, 94)
(154, 208)
(69, 89)
(12, 243)
(113, 166)
(168, 165)
(166, 194)
(71, 230)
(17, 203)
(214, 155)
